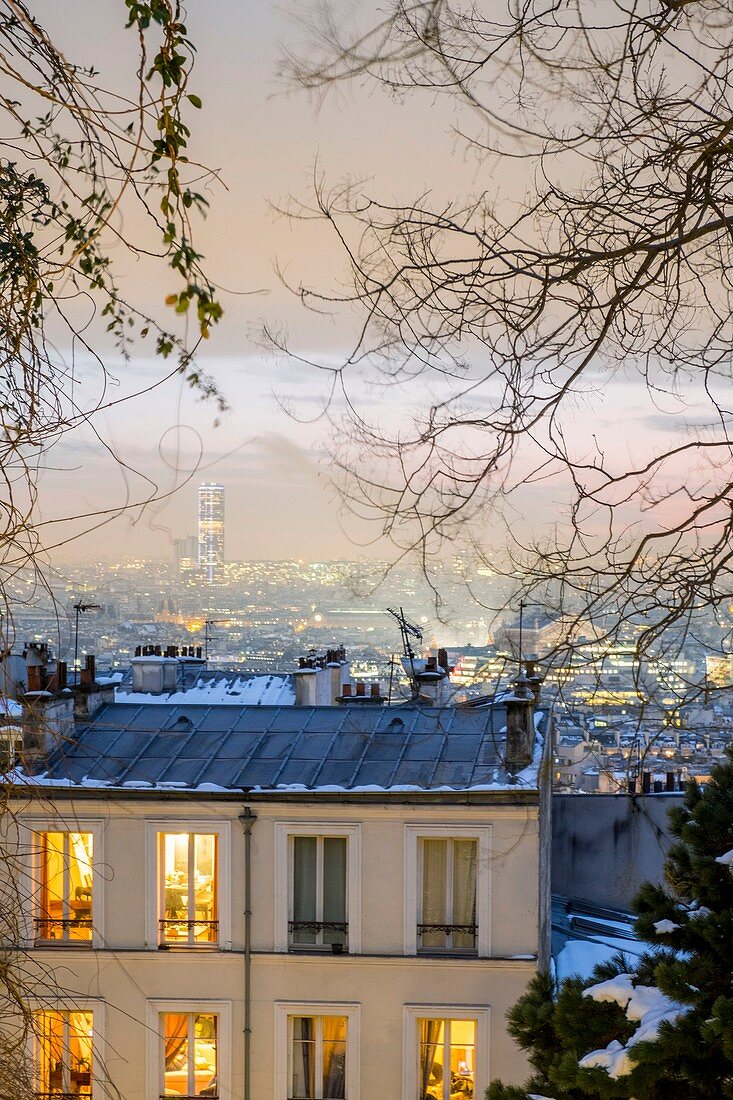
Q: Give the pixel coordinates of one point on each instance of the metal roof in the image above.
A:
(310, 748)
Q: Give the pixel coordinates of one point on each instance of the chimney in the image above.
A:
(534, 680)
(48, 721)
(89, 672)
(519, 725)
(360, 689)
(305, 687)
(154, 674)
(334, 671)
(88, 695)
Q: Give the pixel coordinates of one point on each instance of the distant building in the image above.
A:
(211, 529)
(185, 553)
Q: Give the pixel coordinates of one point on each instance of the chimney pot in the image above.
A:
(375, 691)
(346, 691)
(361, 688)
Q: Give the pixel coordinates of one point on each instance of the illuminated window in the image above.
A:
(446, 1059)
(318, 906)
(65, 902)
(64, 1053)
(188, 889)
(317, 1057)
(190, 1054)
(446, 918)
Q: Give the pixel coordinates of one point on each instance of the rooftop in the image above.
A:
(282, 748)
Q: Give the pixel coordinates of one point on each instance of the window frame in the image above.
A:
(32, 827)
(284, 1010)
(411, 1041)
(413, 887)
(221, 1009)
(284, 832)
(98, 1008)
(155, 895)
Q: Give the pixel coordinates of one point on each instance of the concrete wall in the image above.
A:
(604, 846)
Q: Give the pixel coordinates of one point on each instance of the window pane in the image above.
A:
(305, 854)
(465, 855)
(205, 888)
(80, 1053)
(431, 1076)
(334, 1057)
(205, 1056)
(303, 1058)
(66, 886)
(65, 1052)
(434, 873)
(462, 1045)
(80, 885)
(52, 884)
(334, 886)
(51, 1051)
(175, 1054)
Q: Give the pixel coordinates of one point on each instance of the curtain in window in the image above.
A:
(334, 886)
(431, 1059)
(434, 874)
(464, 890)
(334, 1057)
(305, 856)
(303, 1083)
(175, 1051)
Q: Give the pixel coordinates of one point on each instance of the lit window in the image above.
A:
(64, 1053)
(446, 1059)
(318, 911)
(447, 898)
(65, 909)
(190, 1054)
(188, 863)
(317, 1069)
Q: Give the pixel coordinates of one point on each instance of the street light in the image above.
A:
(78, 608)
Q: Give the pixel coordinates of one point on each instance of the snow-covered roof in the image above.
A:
(274, 690)
(289, 749)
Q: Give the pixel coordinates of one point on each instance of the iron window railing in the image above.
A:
(186, 932)
(457, 937)
(318, 928)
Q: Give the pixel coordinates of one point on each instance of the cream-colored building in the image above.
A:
(265, 903)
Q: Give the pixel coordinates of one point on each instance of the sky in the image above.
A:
(272, 450)
(266, 141)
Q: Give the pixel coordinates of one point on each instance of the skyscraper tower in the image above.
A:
(211, 529)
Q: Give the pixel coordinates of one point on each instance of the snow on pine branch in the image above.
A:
(644, 1004)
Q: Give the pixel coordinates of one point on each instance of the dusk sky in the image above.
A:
(266, 142)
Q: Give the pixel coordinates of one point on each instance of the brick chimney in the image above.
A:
(89, 696)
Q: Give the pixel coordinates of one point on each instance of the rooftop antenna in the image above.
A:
(78, 608)
(207, 632)
(407, 630)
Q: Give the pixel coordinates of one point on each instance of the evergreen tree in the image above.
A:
(660, 1028)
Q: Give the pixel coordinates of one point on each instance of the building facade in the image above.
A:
(278, 903)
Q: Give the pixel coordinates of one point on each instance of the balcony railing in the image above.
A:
(59, 1095)
(62, 929)
(320, 942)
(185, 932)
(464, 934)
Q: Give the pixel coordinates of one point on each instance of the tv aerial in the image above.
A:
(408, 631)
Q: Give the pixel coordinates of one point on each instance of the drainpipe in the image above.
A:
(248, 819)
